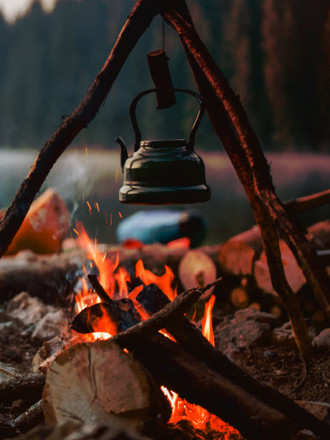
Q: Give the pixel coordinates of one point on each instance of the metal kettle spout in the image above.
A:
(123, 151)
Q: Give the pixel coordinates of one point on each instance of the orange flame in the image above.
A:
(112, 275)
(164, 282)
(207, 327)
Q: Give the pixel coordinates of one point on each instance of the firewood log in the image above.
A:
(239, 297)
(319, 233)
(199, 384)
(45, 226)
(196, 268)
(293, 272)
(50, 278)
(193, 342)
(237, 255)
(89, 381)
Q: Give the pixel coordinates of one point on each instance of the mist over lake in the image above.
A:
(96, 178)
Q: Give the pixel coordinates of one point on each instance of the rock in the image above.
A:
(6, 325)
(318, 409)
(28, 309)
(50, 325)
(322, 340)
(305, 434)
(246, 328)
(252, 314)
(284, 334)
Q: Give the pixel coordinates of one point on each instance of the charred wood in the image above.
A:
(193, 342)
(30, 418)
(50, 278)
(199, 384)
(27, 386)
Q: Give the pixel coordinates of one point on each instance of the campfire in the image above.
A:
(118, 285)
(138, 349)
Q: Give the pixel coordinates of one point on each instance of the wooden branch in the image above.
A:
(191, 340)
(308, 202)
(99, 289)
(253, 171)
(199, 384)
(31, 417)
(137, 22)
(170, 313)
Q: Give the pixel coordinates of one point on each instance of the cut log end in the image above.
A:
(90, 381)
(197, 269)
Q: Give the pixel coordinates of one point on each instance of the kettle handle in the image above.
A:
(132, 112)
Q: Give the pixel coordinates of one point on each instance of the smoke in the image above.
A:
(13, 10)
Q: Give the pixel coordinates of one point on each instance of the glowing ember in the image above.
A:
(89, 207)
(115, 281)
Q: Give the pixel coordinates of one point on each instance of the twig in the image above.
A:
(99, 289)
(172, 311)
(30, 418)
(308, 202)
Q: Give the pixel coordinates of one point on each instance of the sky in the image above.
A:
(14, 9)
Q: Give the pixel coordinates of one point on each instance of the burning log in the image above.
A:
(201, 385)
(137, 338)
(113, 382)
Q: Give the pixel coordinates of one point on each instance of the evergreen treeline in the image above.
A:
(275, 54)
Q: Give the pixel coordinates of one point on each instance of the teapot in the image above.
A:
(162, 172)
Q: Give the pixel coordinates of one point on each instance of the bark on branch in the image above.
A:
(136, 24)
(231, 124)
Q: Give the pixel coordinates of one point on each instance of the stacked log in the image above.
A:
(240, 260)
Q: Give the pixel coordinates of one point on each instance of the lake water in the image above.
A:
(96, 178)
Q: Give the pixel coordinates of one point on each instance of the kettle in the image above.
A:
(163, 172)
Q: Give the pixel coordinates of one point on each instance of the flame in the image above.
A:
(115, 281)
(199, 417)
(207, 327)
(164, 282)
(113, 278)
